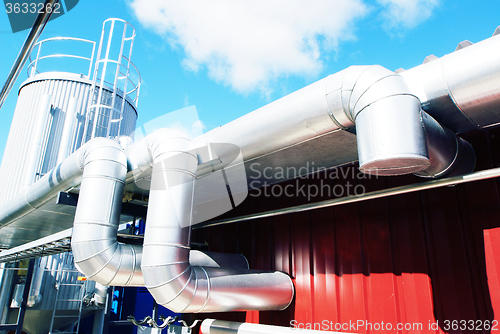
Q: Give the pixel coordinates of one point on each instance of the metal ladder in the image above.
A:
(66, 279)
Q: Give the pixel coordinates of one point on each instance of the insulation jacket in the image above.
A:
(168, 274)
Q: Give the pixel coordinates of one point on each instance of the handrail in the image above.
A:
(32, 68)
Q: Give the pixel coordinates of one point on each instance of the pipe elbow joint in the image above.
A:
(96, 250)
(390, 135)
(168, 273)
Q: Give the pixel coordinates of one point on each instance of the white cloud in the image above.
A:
(248, 44)
(407, 13)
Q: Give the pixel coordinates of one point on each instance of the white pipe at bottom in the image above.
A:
(212, 326)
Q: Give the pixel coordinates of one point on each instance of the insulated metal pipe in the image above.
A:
(101, 294)
(461, 90)
(389, 132)
(96, 251)
(212, 326)
(449, 154)
(375, 103)
(61, 178)
(168, 275)
(100, 167)
(28, 45)
(217, 260)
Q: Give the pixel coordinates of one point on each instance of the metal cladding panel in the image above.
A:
(129, 120)
(17, 145)
(23, 127)
(423, 260)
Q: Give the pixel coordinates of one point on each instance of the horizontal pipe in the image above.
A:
(217, 260)
(212, 326)
(375, 103)
(449, 154)
(451, 181)
(461, 90)
(292, 119)
(63, 177)
(370, 98)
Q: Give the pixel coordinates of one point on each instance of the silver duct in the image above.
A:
(217, 260)
(198, 258)
(64, 176)
(461, 90)
(371, 101)
(212, 326)
(100, 294)
(449, 154)
(389, 133)
(96, 251)
(168, 275)
(394, 135)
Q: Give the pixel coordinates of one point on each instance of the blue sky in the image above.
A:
(229, 57)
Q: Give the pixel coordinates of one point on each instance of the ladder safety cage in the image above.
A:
(110, 84)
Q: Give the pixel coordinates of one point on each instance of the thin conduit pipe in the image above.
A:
(28, 45)
(406, 189)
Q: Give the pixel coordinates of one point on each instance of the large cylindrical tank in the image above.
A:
(55, 111)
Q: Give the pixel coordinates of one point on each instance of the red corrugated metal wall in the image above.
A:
(417, 260)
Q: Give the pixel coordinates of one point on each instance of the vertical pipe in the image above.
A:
(35, 291)
(155, 318)
(449, 154)
(7, 282)
(98, 325)
(67, 134)
(27, 285)
(36, 142)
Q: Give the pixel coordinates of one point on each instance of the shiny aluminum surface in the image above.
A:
(96, 250)
(449, 154)
(168, 275)
(19, 165)
(212, 326)
(461, 90)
